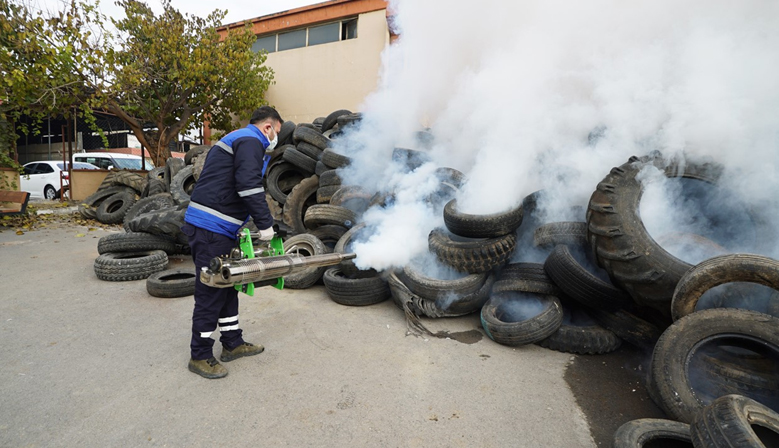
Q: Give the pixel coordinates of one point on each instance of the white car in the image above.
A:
(42, 179)
(111, 160)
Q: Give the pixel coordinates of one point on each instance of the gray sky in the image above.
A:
(237, 10)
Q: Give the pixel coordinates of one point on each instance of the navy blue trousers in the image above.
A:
(214, 307)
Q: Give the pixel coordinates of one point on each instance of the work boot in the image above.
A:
(245, 349)
(207, 368)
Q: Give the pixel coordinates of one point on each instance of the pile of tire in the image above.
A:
(152, 227)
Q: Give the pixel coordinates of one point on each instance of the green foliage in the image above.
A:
(175, 71)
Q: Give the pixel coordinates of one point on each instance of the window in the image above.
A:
(267, 43)
(323, 34)
(315, 35)
(45, 168)
(349, 29)
(31, 169)
(293, 39)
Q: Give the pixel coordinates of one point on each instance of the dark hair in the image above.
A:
(264, 113)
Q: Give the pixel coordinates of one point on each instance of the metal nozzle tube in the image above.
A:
(260, 269)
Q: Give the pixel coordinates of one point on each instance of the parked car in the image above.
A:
(42, 179)
(110, 160)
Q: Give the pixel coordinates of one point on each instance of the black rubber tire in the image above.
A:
(676, 347)
(300, 160)
(310, 151)
(88, 207)
(450, 176)
(285, 134)
(171, 283)
(580, 334)
(302, 196)
(430, 288)
(525, 277)
(638, 433)
(108, 180)
(166, 221)
(352, 197)
(720, 270)
(628, 327)
(410, 159)
(621, 243)
(281, 178)
(729, 421)
(493, 225)
(113, 208)
(156, 173)
(356, 291)
(175, 165)
(332, 119)
(344, 246)
(306, 245)
(326, 214)
(125, 266)
(312, 136)
(446, 306)
(182, 184)
(578, 283)
(329, 177)
(325, 194)
(334, 160)
(198, 163)
(348, 120)
(193, 152)
(471, 256)
(554, 233)
(133, 180)
(329, 235)
(148, 204)
(135, 242)
(320, 168)
(155, 186)
(523, 332)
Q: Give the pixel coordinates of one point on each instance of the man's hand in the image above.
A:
(267, 234)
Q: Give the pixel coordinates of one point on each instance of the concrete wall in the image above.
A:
(313, 81)
(9, 179)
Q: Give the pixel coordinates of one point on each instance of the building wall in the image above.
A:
(313, 81)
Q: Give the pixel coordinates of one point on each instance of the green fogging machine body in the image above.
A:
(247, 267)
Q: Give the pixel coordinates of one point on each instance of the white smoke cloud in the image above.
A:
(530, 95)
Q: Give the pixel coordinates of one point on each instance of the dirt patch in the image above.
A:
(610, 389)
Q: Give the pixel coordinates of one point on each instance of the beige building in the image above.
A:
(325, 56)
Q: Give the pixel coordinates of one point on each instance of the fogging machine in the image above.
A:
(247, 267)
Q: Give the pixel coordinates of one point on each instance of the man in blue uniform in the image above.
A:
(228, 192)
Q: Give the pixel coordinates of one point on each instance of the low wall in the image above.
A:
(85, 182)
(9, 179)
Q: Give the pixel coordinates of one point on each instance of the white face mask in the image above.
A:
(272, 142)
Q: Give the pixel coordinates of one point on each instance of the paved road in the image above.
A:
(93, 363)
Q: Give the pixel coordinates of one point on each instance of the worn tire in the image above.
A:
(193, 152)
(629, 327)
(329, 177)
(311, 136)
(344, 246)
(329, 235)
(135, 242)
(166, 221)
(125, 266)
(198, 163)
(285, 134)
(321, 168)
(525, 277)
(554, 233)
(579, 334)
(332, 119)
(302, 196)
(326, 214)
(182, 184)
(171, 283)
(471, 256)
(113, 208)
(638, 433)
(492, 225)
(580, 284)
(352, 197)
(325, 194)
(175, 165)
(357, 291)
(146, 205)
(310, 150)
(133, 180)
(348, 120)
(729, 421)
(720, 270)
(281, 179)
(334, 160)
(676, 348)
(431, 288)
(300, 160)
(529, 329)
(88, 207)
(155, 186)
(307, 245)
(621, 243)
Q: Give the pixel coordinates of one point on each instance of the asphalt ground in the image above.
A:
(94, 363)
